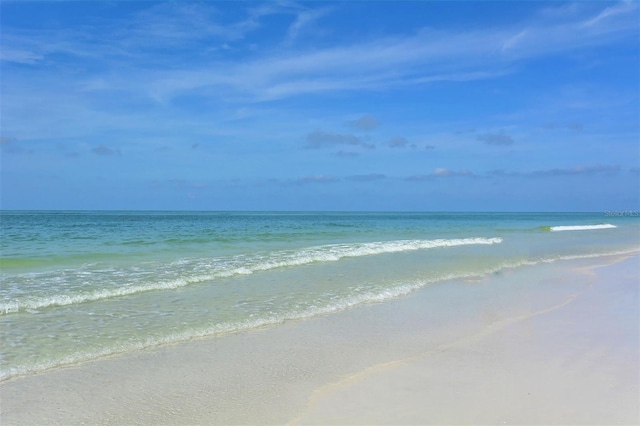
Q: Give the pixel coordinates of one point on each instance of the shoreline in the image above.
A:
(304, 371)
(398, 292)
(474, 401)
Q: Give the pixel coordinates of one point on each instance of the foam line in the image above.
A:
(278, 318)
(244, 265)
(581, 227)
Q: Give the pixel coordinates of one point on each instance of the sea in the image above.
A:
(80, 285)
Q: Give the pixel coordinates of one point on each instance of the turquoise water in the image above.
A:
(77, 286)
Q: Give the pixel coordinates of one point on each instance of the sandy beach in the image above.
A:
(319, 213)
(555, 343)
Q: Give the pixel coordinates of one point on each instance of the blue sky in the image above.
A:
(470, 106)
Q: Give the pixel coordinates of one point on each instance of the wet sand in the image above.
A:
(547, 344)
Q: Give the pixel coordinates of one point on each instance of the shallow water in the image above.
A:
(80, 285)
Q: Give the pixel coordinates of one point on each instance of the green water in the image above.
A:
(80, 285)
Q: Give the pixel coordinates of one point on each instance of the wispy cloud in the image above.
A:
(584, 171)
(441, 173)
(304, 21)
(12, 146)
(496, 139)
(398, 142)
(178, 184)
(367, 178)
(611, 14)
(563, 126)
(105, 151)
(366, 122)
(424, 57)
(578, 170)
(317, 179)
(320, 139)
(20, 56)
(601, 170)
(346, 154)
(170, 24)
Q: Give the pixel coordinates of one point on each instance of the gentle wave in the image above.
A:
(276, 319)
(581, 227)
(8, 263)
(541, 260)
(220, 329)
(244, 265)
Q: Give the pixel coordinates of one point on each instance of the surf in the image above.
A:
(193, 271)
(268, 318)
(581, 227)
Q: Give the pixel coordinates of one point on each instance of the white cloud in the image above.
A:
(441, 172)
(513, 41)
(577, 170)
(366, 122)
(304, 21)
(105, 151)
(597, 170)
(367, 178)
(317, 179)
(346, 154)
(425, 57)
(398, 142)
(321, 139)
(619, 10)
(179, 22)
(20, 56)
(496, 139)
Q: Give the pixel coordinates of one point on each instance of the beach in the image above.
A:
(551, 343)
(319, 213)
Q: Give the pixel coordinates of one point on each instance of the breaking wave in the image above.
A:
(579, 227)
(192, 271)
(273, 318)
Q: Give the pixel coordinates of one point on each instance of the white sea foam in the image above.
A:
(272, 319)
(202, 270)
(581, 227)
(269, 319)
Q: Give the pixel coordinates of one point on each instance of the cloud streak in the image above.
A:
(581, 171)
(366, 122)
(320, 139)
(367, 178)
(105, 151)
(316, 179)
(11, 146)
(496, 139)
(424, 57)
(440, 172)
(596, 170)
(201, 92)
(304, 21)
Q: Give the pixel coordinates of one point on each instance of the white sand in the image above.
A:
(550, 344)
(575, 362)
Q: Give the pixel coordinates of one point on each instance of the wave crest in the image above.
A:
(581, 227)
(243, 265)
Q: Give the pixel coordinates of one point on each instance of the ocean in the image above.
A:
(77, 286)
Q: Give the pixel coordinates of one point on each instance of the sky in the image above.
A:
(360, 105)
